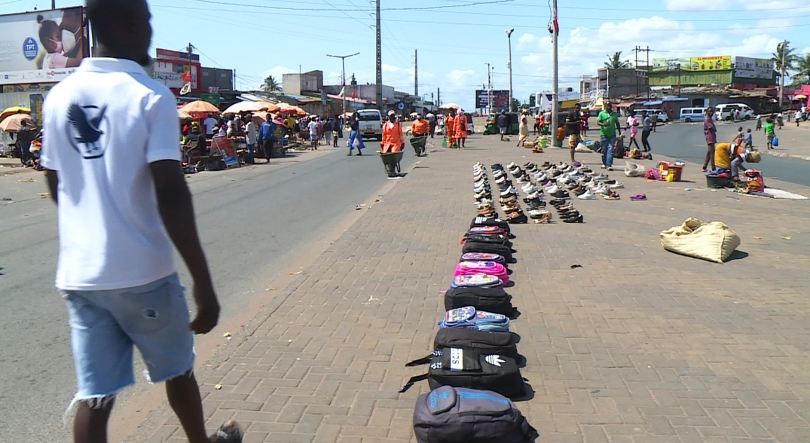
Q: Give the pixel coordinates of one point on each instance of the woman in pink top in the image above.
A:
(632, 125)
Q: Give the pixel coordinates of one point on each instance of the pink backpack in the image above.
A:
(482, 267)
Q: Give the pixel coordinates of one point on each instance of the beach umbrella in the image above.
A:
(14, 122)
(184, 115)
(450, 106)
(800, 97)
(242, 107)
(200, 107)
(267, 106)
(14, 110)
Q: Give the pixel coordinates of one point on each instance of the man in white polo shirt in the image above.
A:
(112, 163)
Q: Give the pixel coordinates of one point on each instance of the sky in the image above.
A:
(456, 38)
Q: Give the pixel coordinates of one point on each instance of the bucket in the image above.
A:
(543, 143)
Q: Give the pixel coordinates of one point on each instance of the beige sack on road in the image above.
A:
(713, 241)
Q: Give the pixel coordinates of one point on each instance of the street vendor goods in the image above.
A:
(713, 241)
(461, 415)
(494, 300)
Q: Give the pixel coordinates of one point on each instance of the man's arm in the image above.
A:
(53, 184)
(177, 211)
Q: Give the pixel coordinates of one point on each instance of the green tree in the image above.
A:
(802, 69)
(615, 61)
(270, 84)
(784, 58)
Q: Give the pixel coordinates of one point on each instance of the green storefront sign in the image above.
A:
(214, 99)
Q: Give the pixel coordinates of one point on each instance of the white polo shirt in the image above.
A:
(104, 125)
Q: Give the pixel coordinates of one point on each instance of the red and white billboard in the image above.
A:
(170, 66)
(42, 46)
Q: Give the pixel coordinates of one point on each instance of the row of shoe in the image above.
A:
(547, 176)
(564, 181)
(534, 196)
(507, 195)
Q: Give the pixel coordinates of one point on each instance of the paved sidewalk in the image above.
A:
(639, 345)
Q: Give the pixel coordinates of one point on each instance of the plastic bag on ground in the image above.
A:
(582, 148)
(713, 241)
(634, 170)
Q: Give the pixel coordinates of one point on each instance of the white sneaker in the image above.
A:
(500, 180)
(551, 189)
(617, 186)
(601, 177)
(511, 165)
(530, 190)
(602, 190)
(587, 196)
(603, 166)
(610, 168)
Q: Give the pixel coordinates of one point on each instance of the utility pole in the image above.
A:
(782, 75)
(647, 72)
(438, 97)
(415, 73)
(509, 64)
(555, 118)
(343, 76)
(378, 94)
(636, 49)
(53, 4)
(191, 74)
(489, 91)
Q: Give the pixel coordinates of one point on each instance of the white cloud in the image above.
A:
(277, 72)
(459, 76)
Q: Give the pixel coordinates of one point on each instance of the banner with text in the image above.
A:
(42, 46)
(746, 67)
(711, 63)
(670, 64)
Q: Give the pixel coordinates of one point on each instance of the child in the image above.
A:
(51, 38)
(759, 122)
(738, 139)
(769, 132)
(749, 140)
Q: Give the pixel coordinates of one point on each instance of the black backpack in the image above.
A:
(483, 299)
(486, 221)
(492, 248)
(460, 415)
(488, 238)
(467, 368)
(502, 343)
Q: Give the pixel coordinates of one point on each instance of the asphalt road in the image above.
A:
(256, 223)
(686, 142)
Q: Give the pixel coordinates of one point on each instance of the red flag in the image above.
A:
(556, 24)
(353, 96)
(186, 77)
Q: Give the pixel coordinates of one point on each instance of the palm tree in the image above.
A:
(784, 52)
(270, 84)
(802, 68)
(615, 61)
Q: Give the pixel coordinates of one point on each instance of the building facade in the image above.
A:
(307, 83)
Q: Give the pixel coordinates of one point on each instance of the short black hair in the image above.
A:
(107, 16)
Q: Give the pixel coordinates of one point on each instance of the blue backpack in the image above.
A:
(469, 317)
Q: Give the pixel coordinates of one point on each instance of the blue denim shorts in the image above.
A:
(106, 325)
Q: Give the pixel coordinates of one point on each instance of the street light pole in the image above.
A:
(53, 4)
(343, 77)
(555, 93)
(489, 91)
(509, 64)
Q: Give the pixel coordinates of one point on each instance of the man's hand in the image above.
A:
(207, 309)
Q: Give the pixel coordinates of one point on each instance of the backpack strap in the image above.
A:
(412, 380)
(420, 361)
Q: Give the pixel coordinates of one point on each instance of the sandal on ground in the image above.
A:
(229, 432)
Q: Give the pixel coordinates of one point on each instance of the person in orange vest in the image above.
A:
(421, 128)
(392, 140)
(461, 128)
(450, 126)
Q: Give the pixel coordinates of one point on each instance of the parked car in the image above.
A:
(470, 124)
(692, 114)
(370, 122)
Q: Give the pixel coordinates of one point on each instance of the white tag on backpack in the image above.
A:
(456, 359)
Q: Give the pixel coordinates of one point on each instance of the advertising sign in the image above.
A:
(170, 65)
(214, 99)
(500, 99)
(712, 63)
(42, 46)
(746, 67)
(670, 64)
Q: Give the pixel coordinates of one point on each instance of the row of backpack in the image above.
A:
(474, 370)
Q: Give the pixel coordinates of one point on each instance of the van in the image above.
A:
(470, 124)
(724, 112)
(370, 123)
(690, 115)
(662, 116)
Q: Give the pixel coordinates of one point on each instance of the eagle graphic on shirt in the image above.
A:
(86, 124)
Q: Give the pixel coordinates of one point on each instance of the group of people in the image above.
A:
(456, 128)
(728, 158)
(28, 143)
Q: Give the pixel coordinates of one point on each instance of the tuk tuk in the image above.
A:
(512, 127)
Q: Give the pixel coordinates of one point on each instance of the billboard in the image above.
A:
(670, 64)
(712, 63)
(746, 67)
(170, 65)
(500, 99)
(694, 64)
(42, 46)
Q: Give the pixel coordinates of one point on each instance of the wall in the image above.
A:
(691, 78)
(621, 82)
(297, 84)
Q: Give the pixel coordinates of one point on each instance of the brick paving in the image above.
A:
(638, 345)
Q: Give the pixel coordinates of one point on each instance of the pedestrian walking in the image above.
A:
(632, 126)
(431, 118)
(250, 140)
(573, 128)
(536, 124)
(608, 121)
(584, 117)
(769, 132)
(461, 129)
(328, 126)
(655, 121)
(646, 128)
(114, 171)
(450, 127)
(710, 132)
(392, 140)
(502, 121)
(210, 124)
(355, 135)
(267, 137)
(759, 123)
(24, 138)
(313, 133)
(420, 128)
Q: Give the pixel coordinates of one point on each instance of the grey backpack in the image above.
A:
(461, 415)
